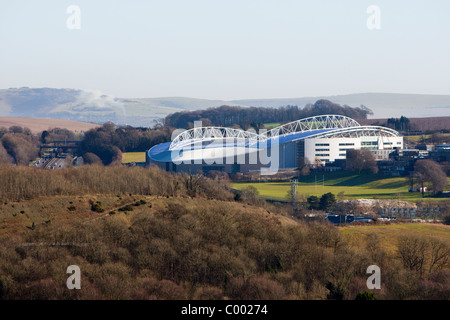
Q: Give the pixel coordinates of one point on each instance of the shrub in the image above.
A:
(446, 219)
(126, 208)
(97, 206)
(365, 295)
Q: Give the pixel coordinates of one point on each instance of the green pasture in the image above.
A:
(421, 137)
(272, 125)
(350, 185)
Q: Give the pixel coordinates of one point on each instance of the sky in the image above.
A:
(233, 49)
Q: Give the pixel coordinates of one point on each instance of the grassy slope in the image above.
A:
(128, 157)
(418, 138)
(389, 234)
(55, 209)
(353, 185)
(53, 212)
(37, 125)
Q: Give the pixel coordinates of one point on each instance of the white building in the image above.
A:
(329, 149)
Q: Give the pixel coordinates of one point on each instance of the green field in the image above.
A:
(354, 186)
(272, 125)
(128, 157)
(420, 138)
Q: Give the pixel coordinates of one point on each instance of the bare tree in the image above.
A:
(412, 252)
(430, 171)
(439, 254)
(360, 160)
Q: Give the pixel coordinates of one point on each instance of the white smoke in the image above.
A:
(99, 100)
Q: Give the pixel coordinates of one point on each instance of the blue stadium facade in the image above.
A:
(204, 149)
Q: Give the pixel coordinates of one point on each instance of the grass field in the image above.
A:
(419, 138)
(388, 234)
(128, 157)
(354, 186)
(272, 125)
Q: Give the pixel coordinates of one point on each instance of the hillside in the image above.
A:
(37, 125)
(421, 124)
(384, 105)
(143, 234)
(94, 106)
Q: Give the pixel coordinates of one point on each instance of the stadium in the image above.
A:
(318, 140)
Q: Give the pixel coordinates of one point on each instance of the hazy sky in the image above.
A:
(227, 49)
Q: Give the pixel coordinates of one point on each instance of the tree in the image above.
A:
(439, 253)
(427, 170)
(313, 203)
(91, 158)
(412, 252)
(327, 202)
(446, 219)
(402, 124)
(360, 160)
(20, 147)
(5, 158)
(250, 193)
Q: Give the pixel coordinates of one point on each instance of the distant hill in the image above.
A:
(94, 106)
(384, 105)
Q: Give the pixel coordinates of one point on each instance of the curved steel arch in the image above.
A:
(342, 124)
(310, 124)
(211, 133)
(356, 132)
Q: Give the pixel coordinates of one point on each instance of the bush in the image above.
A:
(446, 219)
(365, 295)
(97, 206)
(126, 208)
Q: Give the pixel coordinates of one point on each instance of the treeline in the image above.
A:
(24, 183)
(17, 145)
(400, 124)
(105, 144)
(244, 117)
(125, 138)
(109, 141)
(102, 145)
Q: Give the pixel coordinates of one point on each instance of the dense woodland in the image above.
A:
(227, 116)
(191, 238)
